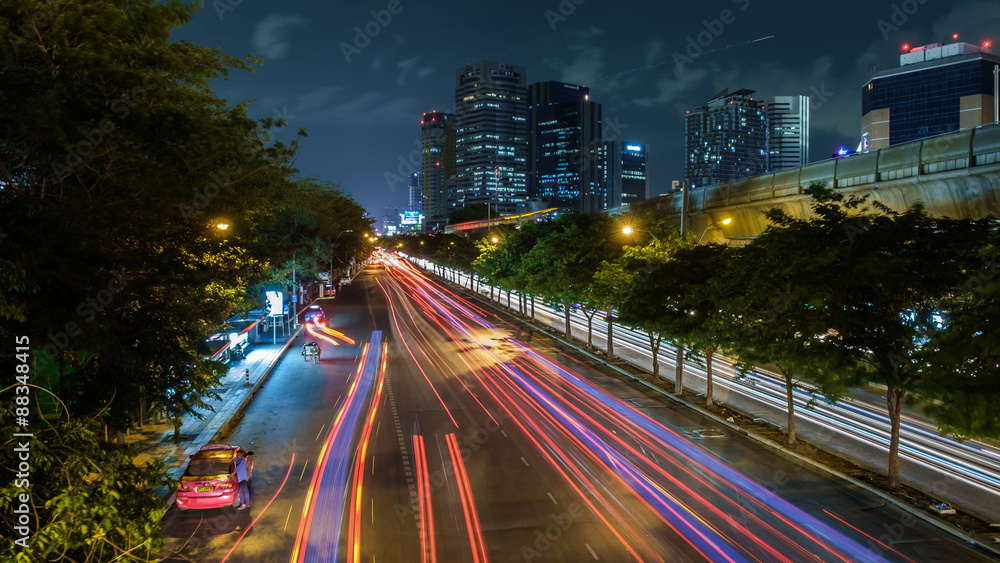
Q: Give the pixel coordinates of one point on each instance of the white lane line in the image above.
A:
(553, 498)
(524, 460)
(591, 550)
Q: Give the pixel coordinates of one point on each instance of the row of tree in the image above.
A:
(118, 168)
(855, 294)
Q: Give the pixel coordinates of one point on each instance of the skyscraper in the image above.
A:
(725, 140)
(416, 200)
(564, 147)
(491, 136)
(438, 163)
(627, 180)
(936, 89)
(787, 131)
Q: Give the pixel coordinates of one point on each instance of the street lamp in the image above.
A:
(725, 221)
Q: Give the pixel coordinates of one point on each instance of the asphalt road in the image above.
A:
(443, 434)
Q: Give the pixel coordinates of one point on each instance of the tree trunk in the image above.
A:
(508, 301)
(532, 307)
(894, 398)
(709, 350)
(679, 373)
(611, 342)
(569, 333)
(654, 347)
(590, 330)
(789, 406)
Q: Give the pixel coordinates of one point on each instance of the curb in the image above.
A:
(228, 425)
(928, 518)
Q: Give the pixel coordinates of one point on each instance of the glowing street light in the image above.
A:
(725, 221)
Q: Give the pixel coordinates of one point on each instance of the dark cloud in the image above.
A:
(363, 115)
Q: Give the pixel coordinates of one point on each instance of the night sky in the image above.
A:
(363, 115)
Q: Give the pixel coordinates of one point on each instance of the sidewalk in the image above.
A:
(155, 440)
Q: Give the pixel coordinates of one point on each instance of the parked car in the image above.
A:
(345, 281)
(209, 480)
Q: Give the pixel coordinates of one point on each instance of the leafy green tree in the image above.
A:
(770, 323)
(644, 306)
(691, 280)
(89, 502)
(562, 264)
(962, 359)
(879, 278)
(473, 213)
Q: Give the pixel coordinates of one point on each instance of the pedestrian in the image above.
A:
(240, 464)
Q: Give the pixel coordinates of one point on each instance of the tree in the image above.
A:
(694, 280)
(770, 323)
(879, 277)
(644, 304)
(962, 358)
(89, 502)
(473, 213)
(562, 263)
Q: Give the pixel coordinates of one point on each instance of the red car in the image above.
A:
(209, 481)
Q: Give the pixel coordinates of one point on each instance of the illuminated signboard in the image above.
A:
(634, 148)
(274, 304)
(411, 218)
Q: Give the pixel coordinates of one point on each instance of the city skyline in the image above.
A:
(359, 78)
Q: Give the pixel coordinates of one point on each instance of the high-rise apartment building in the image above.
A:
(936, 89)
(787, 131)
(565, 168)
(491, 136)
(725, 140)
(438, 163)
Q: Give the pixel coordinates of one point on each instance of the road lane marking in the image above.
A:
(553, 498)
(321, 429)
(287, 517)
(306, 464)
(524, 460)
(591, 550)
(504, 434)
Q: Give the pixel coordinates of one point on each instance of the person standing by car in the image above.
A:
(240, 464)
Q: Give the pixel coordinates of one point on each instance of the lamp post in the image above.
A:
(725, 221)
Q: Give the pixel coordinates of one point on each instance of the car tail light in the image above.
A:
(227, 485)
(183, 488)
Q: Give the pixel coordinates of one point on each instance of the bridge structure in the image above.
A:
(953, 175)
